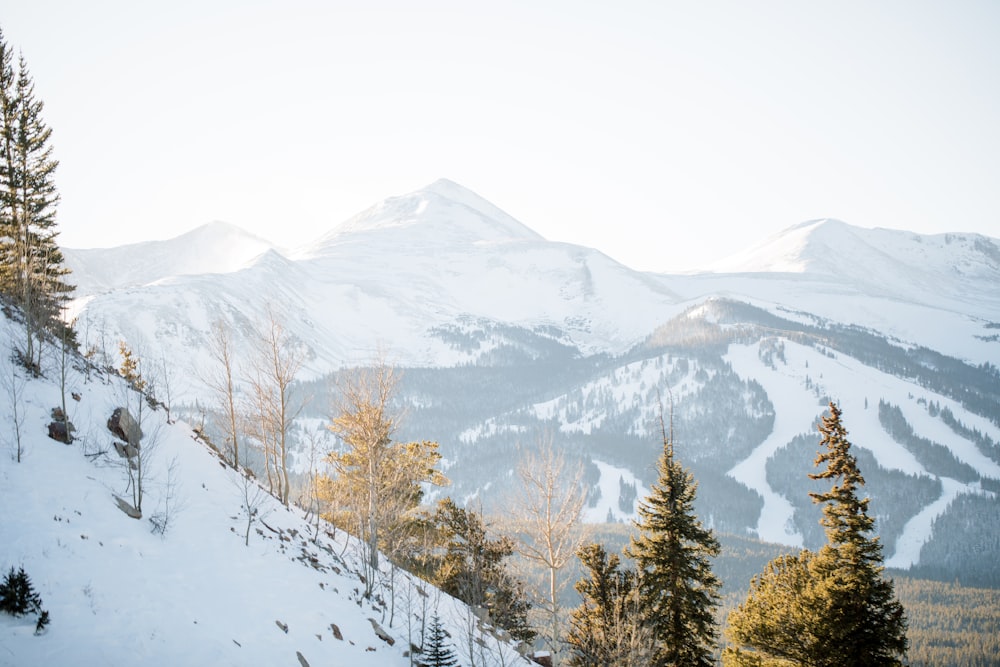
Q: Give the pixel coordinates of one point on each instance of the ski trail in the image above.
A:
(795, 411)
(917, 531)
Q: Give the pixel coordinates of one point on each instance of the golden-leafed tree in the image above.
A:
(376, 482)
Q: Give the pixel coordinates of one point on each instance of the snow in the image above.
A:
(119, 594)
(610, 487)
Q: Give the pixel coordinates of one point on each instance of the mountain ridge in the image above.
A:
(215, 247)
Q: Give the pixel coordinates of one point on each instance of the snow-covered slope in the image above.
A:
(119, 592)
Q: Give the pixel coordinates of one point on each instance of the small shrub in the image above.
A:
(43, 622)
(18, 597)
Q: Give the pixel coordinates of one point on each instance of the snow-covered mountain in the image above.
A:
(389, 278)
(936, 290)
(216, 247)
(216, 572)
(507, 336)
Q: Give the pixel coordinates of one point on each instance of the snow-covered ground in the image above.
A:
(119, 593)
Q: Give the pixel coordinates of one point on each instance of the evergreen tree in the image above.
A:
(473, 568)
(438, 653)
(677, 590)
(777, 623)
(832, 607)
(31, 263)
(17, 594)
(870, 627)
(606, 629)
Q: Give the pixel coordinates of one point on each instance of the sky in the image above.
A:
(666, 134)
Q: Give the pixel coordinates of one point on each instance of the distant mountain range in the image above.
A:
(508, 338)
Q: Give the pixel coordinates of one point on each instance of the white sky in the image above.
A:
(667, 134)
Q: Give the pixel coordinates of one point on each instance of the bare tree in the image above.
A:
(160, 384)
(272, 371)
(221, 382)
(546, 513)
(64, 362)
(253, 500)
(142, 433)
(171, 503)
(13, 384)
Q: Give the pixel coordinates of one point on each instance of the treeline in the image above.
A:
(950, 624)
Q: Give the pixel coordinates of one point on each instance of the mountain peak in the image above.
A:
(788, 251)
(438, 214)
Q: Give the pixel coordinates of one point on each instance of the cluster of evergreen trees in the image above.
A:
(32, 275)
(828, 607)
(18, 598)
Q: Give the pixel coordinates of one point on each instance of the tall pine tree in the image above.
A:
(31, 263)
(677, 589)
(832, 607)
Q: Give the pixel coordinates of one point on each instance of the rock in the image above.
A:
(60, 432)
(380, 633)
(283, 626)
(302, 659)
(124, 425)
(125, 450)
(126, 506)
(336, 631)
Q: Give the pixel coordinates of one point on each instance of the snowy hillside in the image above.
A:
(120, 591)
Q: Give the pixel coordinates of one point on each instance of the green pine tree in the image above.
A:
(677, 588)
(474, 568)
(607, 629)
(438, 653)
(17, 594)
(832, 607)
(870, 627)
(31, 264)
(777, 623)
